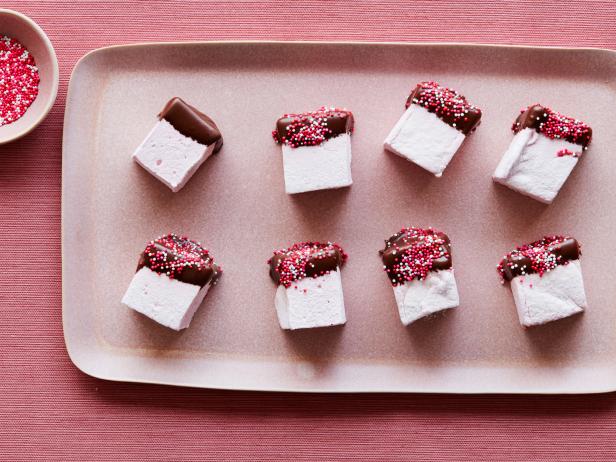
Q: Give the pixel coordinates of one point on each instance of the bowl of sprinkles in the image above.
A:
(28, 75)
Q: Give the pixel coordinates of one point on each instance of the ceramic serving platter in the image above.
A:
(236, 205)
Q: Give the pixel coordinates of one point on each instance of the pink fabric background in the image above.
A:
(51, 411)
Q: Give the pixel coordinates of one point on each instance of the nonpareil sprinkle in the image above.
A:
(19, 80)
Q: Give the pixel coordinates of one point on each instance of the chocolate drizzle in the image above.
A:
(305, 259)
(553, 125)
(312, 128)
(413, 252)
(447, 104)
(539, 257)
(180, 258)
(191, 122)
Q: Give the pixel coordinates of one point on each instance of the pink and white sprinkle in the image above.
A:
(19, 80)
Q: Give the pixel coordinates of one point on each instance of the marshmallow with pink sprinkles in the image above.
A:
(436, 122)
(546, 146)
(173, 276)
(546, 279)
(309, 292)
(316, 149)
(418, 264)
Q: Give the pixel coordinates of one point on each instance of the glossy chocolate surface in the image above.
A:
(306, 259)
(520, 262)
(447, 104)
(312, 128)
(553, 125)
(180, 258)
(192, 123)
(431, 250)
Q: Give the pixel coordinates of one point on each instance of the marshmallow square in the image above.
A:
(167, 301)
(532, 166)
(556, 294)
(324, 166)
(170, 156)
(424, 139)
(419, 298)
(311, 302)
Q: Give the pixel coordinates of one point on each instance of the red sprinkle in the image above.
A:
(19, 80)
(540, 253)
(416, 260)
(301, 260)
(566, 152)
(555, 125)
(308, 128)
(445, 102)
(171, 254)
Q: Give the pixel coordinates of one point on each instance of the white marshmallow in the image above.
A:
(531, 165)
(421, 137)
(167, 301)
(170, 156)
(557, 294)
(419, 298)
(324, 166)
(316, 302)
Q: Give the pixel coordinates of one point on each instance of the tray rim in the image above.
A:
(115, 377)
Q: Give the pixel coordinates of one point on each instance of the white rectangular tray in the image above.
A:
(237, 207)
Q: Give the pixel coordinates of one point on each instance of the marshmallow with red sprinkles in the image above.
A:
(436, 122)
(309, 292)
(419, 266)
(173, 277)
(316, 149)
(546, 146)
(546, 279)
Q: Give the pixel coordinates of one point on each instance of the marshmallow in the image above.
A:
(419, 298)
(167, 301)
(433, 127)
(172, 279)
(544, 150)
(325, 166)
(316, 149)
(532, 167)
(424, 139)
(555, 295)
(311, 302)
(178, 144)
(546, 279)
(418, 264)
(309, 290)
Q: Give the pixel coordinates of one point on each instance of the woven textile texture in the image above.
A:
(50, 411)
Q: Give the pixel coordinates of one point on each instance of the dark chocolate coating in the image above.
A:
(189, 274)
(536, 115)
(465, 126)
(322, 261)
(338, 122)
(567, 250)
(533, 117)
(191, 122)
(401, 242)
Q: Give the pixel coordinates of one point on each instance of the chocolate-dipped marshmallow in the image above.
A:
(316, 149)
(436, 122)
(546, 279)
(173, 276)
(418, 264)
(546, 146)
(309, 290)
(182, 139)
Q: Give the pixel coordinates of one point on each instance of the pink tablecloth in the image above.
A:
(51, 411)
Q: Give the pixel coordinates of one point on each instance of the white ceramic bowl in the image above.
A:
(25, 30)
